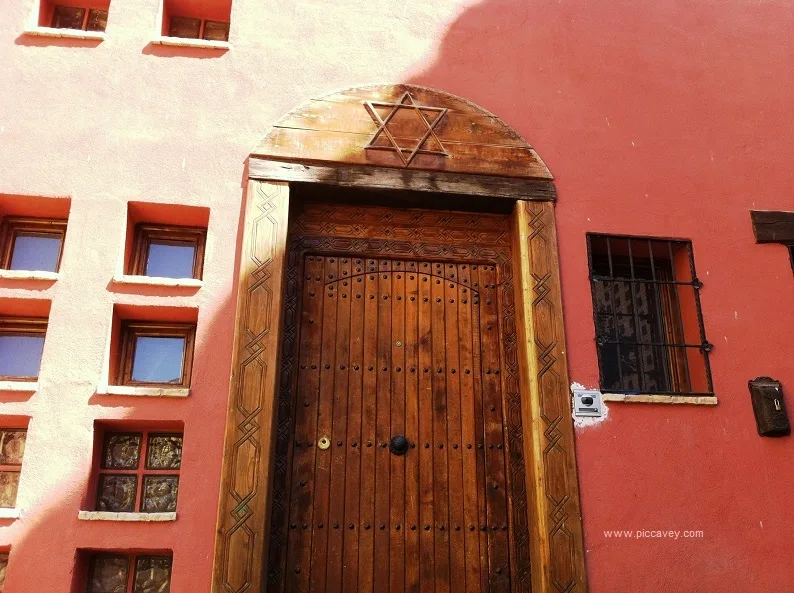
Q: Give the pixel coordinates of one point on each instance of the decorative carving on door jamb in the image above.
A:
(557, 549)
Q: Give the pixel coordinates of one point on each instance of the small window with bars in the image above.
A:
(648, 319)
(139, 472)
(121, 573)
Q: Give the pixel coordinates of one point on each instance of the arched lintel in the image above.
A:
(403, 128)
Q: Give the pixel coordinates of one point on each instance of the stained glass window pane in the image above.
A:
(160, 494)
(68, 17)
(170, 259)
(3, 567)
(153, 574)
(117, 493)
(109, 574)
(165, 451)
(9, 484)
(158, 360)
(20, 356)
(36, 251)
(12, 446)
(121, 451)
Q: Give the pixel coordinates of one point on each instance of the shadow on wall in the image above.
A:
(53, 518)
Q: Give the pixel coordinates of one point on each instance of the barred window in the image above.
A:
(648, 319)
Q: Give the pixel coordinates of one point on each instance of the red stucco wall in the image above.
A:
(662, 118)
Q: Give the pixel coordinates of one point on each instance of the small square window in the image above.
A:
(127, 483)
(168, 252)
(110, 573)
(156, 354)
(21, 347)
(216, 31)
(79, 18)
(12, 450)
(650, 334)
(32, 244)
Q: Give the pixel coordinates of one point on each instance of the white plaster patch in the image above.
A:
(579, 422)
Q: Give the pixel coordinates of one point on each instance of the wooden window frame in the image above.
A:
(140, 472)
(132, 566)
(12, 467)
(24, 326)
(86, 19)
(13, 226)
(202, 27)
(146, 234)
(131, 330)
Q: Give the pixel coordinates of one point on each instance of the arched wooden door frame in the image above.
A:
(339, 151)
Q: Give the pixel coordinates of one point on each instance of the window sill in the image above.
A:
(145, 391)
(699, 400)
(24, 386)
(28, 275)
(187, 42)
(65, 33)
(156, 281)
(9, 513)
(128, 517)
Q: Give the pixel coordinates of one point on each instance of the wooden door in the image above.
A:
(397, 348)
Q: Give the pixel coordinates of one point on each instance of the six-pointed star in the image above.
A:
(406, 102)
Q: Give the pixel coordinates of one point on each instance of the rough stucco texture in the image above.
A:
(664, 118)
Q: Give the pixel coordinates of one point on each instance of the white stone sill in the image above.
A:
(28, 275)
(144, 391)
(9, 513)
(651, 398)
(25, 386)
(65, 33)
(128, 517)
(157, 281)
(188, 42)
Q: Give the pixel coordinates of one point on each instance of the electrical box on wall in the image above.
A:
(587, 403)
(769, 407)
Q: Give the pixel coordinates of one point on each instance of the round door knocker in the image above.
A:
(398, 445)
(324, 443)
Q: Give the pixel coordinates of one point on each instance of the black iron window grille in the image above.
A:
(648, 318)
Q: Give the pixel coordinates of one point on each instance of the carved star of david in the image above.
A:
(430, 117)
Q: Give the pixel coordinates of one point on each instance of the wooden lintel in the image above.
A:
(772, 226)
(403, 179)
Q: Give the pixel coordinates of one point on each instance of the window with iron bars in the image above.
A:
(648, 318)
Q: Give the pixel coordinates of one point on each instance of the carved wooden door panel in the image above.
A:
(391, 348)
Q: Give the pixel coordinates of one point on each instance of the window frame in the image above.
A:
(202, 27)
(145, 234)
(11, 467)
(25, 326)
(13, 226)
(140, 472)
(86, 18)
(131, 330)
(674, 326)
(132, 566)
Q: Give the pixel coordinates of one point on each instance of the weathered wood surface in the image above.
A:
(339, 128)
(401, 179)
(558, 553)
(412, 528)
(370, 337)
(772, 226)
(243, 510)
